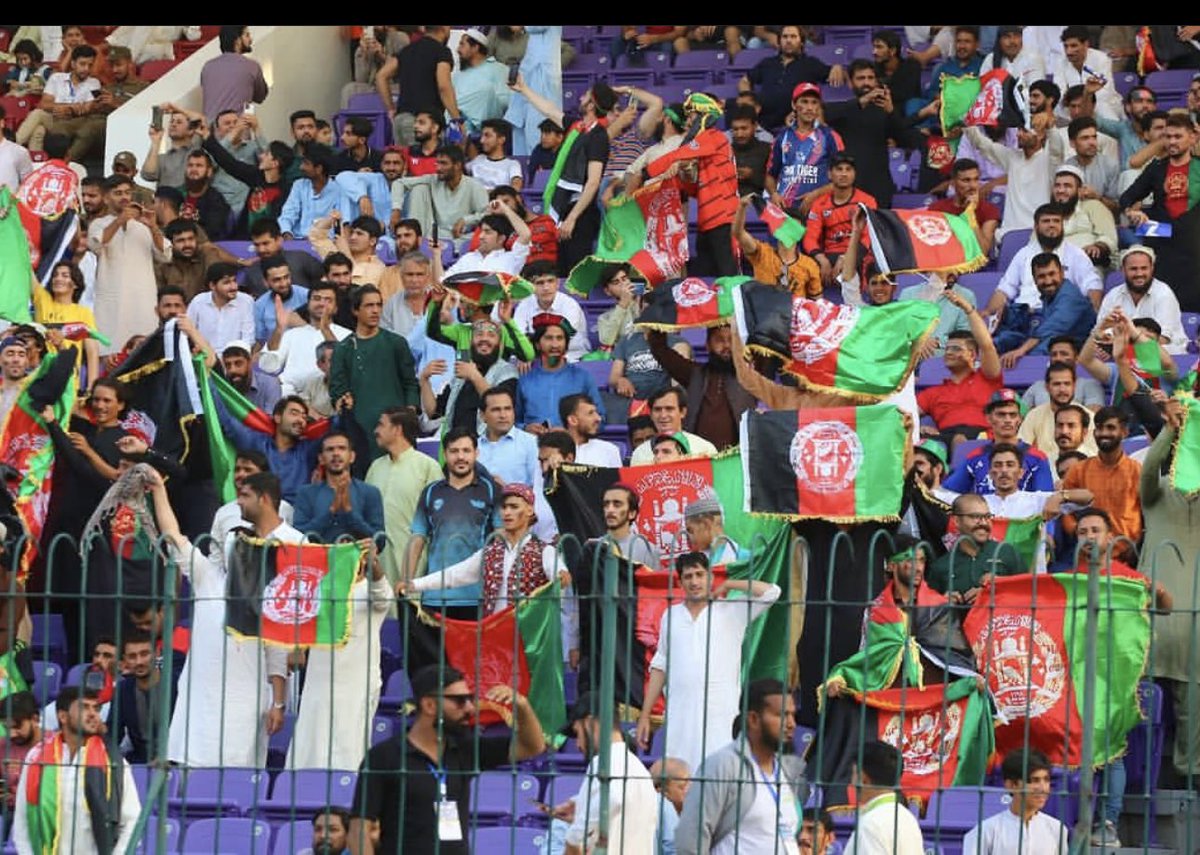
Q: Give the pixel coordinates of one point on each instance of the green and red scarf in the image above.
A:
(44, 796)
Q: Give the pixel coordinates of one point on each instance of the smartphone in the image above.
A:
(633, 101)
(513, 70)
(194, 123)
(156, 117)
(248, 109)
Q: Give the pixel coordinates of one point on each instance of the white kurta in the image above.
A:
(224, 690)
(886, 827)
(341, 688)
(704, 672)
(126, 290)
(1005, 834)
(632, 806)
(75, 834)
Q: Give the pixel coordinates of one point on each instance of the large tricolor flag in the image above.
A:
(1002, 101)
(291, 595)
(15, 265)
(686, 303)
(25, 444)
(1028, 634)
(647, 229)
(908, 240)
(520, 646)
(843, 464)
(863, 354)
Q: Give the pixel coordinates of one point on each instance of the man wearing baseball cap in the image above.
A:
(802, 154)
(1004, 413)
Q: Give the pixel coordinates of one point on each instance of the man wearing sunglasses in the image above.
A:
(417, 785)
(975, 558)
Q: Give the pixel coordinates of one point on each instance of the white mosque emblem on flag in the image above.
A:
(931, 231)
(826, 456)
(691, 292)
(1026, 672)
(818, 328)
(292, 596)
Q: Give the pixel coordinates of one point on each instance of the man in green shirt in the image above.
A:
(975, 558)
(374, 367)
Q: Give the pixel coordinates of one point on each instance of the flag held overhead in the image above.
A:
(907, 241)
(481, 288)
(685, 304)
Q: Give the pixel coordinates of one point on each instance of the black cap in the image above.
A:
(842, 157)
(431, 679)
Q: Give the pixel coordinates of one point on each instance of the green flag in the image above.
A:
(1185, 465)
(16, 268)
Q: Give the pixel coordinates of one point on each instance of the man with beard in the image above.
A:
(1010, 502)
(776, 77)
(295, 348)
(432, 764)
(239, 369)
(552, 377)
(1028, 169)
(23, 721)
(929, 465)
(91, 194)
(1130, 132)
(1172, 183)
(463, 399)
(620, 505)
(201, 202)
(340, 506)
(373, 366)
(547, 297)
(1112, 477)
(137, 701)
(290, 455)
(190, 259)
(1143, 295)
(1038, 426)
(745, 796)
(698, 659)
(450, 200)
(668, 412)
(1064, 310)
(281, 294)
(719, 398)
(970, 565)
(1087, 221)
(1101, 173)
(580, 417)
(1004, 415)
(169, 168)
(232, 80)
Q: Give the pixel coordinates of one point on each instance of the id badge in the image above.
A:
(449, 828)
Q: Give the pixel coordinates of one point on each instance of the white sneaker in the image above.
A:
(1105, 835)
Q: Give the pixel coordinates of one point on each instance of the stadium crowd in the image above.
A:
(388, 289)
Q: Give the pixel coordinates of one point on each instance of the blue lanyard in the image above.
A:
(439, 775)
(771, 788)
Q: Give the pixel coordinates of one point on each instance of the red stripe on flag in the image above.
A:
(931, 255)
(294, 589)
(822, 369)
(664, 493)
(826, 454)
(489, 653)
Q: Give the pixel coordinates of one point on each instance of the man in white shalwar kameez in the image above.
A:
(1022, 829)
(127, 242)
(699, 660)
(231, 691)
(342, 685)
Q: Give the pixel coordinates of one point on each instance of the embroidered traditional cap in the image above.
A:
(523, 491)
(544, 320)
(704, 506)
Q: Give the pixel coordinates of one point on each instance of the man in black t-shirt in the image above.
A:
(418, 784)
(422, 69)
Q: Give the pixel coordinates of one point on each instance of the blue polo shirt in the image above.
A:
(455, 524)
(264, 310)
(539, 391)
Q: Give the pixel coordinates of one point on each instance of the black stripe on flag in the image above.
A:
(766, 443)
(891, 241)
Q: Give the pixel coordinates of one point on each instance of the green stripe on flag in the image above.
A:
(1024, 536)
(220, 451)
(1185, 463)
(964, 232)
(879, 484)
(769, 646)
(878, 353)
(335, 612)
(1123, 632)
(538, 622)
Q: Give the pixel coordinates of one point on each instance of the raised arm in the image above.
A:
(748, 244)
(543, 105)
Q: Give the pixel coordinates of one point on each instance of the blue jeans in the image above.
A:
(1114, 790)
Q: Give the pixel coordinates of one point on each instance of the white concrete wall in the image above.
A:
(305, 67)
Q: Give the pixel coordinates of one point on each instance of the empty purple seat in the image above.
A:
(292, 837)
(562, 787)
(963, 449)
(49, 639)
(1027, 371)
(396, 691)
(982, 284)
(1123, 81)
(599, 369)
(280, 741)
(688, 78)
(830, 54)
(837, 93)
(640, 77)
(222, 792)
(846, 35)
(302, 792)
(141, 780)
(149, 844)
(1145, 742)
(366, 102)
(1191, 326)
(931, 373)
(240, 248)
(301, 244)
(1010, 245)
(227, 834)
(907, 200)
(47, 678)
(499, 796)
(514, 839)
(955, 811)
(750, 57)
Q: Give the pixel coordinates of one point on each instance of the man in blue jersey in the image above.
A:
(1004, 413)
(798, 170)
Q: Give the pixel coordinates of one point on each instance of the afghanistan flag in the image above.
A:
(1024, 535)
(1028, 634)
(943, 732)
(1185, 463)
(16, 267)
(293, 595)
(920, 240)
(162, 384)
(787, 230)
(520, 646)
(959, 95)
(481, 288)
(665, 490)
(647, 229)
(863, 354)
(842, 464)
(49, 239)
(686, 303)
(1002, 102)
(27, 447)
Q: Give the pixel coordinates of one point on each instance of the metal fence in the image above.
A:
(270, 807)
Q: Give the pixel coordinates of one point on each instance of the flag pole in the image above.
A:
(608, 643)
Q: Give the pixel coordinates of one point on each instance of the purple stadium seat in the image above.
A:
(381, 128)
(641, 77)
(75, 674)
(382, 728)
(517, 840)
(227, 834)
(149, 844)
(396, 691)
(750, 57)
(836, 93)
(302, 245)
(830, 54)
(562, 787)
(1145, 741)
(594, 64)
(907, 200)
(1123, 81)
(1191, 326)
(302, 792)
(277, 745)
(1027, 371)
(688, 79)
(366, 102)
(1112, 280)
(1010, 244)
(292, 837)
(498, 796)
(141, 780)
(49, 639)
(846, 35)
(223, 792)
(864, 51)
(391, 645)
(1170, 86)
(47, 678)
(981, 284)
(599, 369)
(931, 372)
(239, 248)
(959, 809)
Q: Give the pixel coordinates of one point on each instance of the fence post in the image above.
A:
(1081, 839)
(608, 642)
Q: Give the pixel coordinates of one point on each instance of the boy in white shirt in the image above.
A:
(1022, 829)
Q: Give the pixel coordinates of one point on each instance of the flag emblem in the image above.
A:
(692, 292)
(1025, 683)
(989, 102)
(818, 328)
(826, 456)
(931, 231)
(292, 596)
(666, 493)
(924, 740)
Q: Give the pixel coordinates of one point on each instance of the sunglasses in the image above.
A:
(460, 699)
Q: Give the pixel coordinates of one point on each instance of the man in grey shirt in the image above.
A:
(1087, 390)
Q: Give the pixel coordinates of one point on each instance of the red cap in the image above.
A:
(806, 89)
